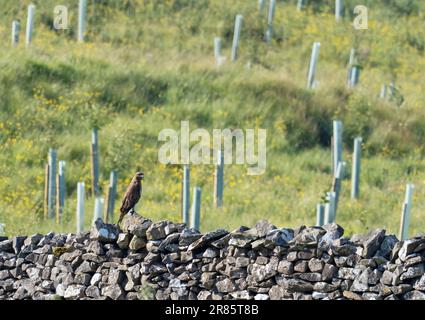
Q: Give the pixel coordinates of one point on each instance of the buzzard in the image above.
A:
(132, 195)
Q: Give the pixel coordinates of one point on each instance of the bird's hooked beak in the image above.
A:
(140, 175)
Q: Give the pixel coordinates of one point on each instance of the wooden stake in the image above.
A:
(61, 192)
(196, 209)
(355, 172)
(94, 156)
(62, 165)
(82, 12)
(339, 10)
(351, 63)
(219, 59)
(336, 186)
(320, 215)
(59, 208)
(80, 206)
(405, 214)
(16, 27)
(301, 5)
(355, 76)
(313, 65)
(52, 184)
(330, 208)
(218, 180)
(46, 191)
(30, 24)
(261, 4)
(333, 169)
(186, 194)
(272, 8)
(337, 140)
(383, 93)
(110, 198)
(236, 36)
(98, 208)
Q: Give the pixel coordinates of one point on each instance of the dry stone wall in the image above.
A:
(166, 260)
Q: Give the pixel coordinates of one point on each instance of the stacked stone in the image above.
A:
(83, 266)
(165, 260)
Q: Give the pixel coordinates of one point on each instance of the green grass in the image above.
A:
(147, 65)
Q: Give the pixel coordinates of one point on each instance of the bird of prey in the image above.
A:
(132, 195)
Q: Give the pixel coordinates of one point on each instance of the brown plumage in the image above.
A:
(132, 195)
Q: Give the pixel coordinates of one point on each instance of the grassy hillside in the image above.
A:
(149, 64)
